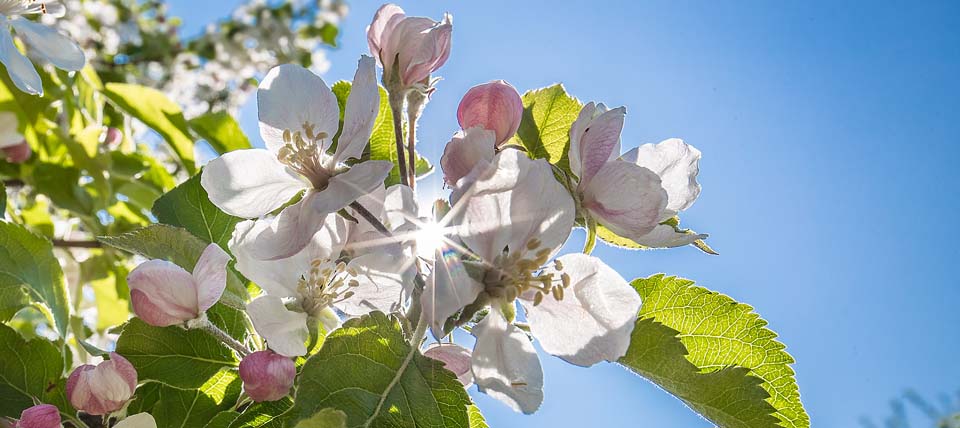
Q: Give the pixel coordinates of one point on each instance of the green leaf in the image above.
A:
(173, 356)
(476, 418)
(223, 419)
(155, 110)
(263, 415)
(112, 309)
(730, 397)
(62, 185)
(188, 206)
(544, 130)
(390, 383)
(719, 333)
(222, 131)
(3, 199)
(27, 264)
(175, 407)
(326, 418)
(30, 369)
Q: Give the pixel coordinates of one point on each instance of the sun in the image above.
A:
(430, 238)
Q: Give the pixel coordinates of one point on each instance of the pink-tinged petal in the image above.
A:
(73, 382)
(249, 183)
(284, 330)
(103, 389)
(594, 320)
(279, 277)
(210, 275)
(379, 31)
(349, 186)
(163, 294)
(139, 420)
(448, 290)
(677, 163)
(292, 98)
(290, 231)
(363, 104)
(495, 106)
(49, 44)
(427, 51)
(466, 151)
(40, 416)
(8, 130)
(626, 198)
(123, 368)
(455, 358)
(505, 364)
(20, 69)
(267, 376)
(600, 142)
(19, 153)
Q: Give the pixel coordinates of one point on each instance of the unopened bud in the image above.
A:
(267, 376)
(102, 389)
(19, 153)
(39, 416)
(495, 106)
(112, 137)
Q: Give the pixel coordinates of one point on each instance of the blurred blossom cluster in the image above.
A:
(135, 41)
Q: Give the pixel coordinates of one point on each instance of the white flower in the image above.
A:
(516, 216)
(633, 194)
(299, 117)
(43, 41)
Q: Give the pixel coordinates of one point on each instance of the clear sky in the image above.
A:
(829, 132)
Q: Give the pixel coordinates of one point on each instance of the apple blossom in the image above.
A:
(44, 42)
(628, 195)
(40, 416)
(267, 376)
(104, 388)
(408, 48)
(465, 151)
(299, 117)
(164, 294)
(495, 106)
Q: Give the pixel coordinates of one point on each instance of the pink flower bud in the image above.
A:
(455, 358)
(112, 137)
(495, 106)
(18, 153)
(414, 47)
(40, 416)
(163, 294)
(102, 389)
(267, 376)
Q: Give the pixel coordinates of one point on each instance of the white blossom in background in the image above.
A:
(43, 42)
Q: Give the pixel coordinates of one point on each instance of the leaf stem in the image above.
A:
(204, 324)
(591, 236)
(63, 243)
(370, 218)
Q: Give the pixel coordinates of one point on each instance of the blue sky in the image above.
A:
(829, 132)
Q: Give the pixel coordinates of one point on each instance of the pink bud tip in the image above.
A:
(39, 416)
(412, 46)
(267, 376)
(19, 153)
(102, 389)
(495, 106)
(112, 137)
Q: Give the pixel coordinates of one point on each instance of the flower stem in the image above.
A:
(207, 326)
(412, 117)
(591, 236)
(396, 106)
(369, 217)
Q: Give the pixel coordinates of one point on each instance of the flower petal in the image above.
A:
(139, 420)
(449, 288)
(291, 231)
(249, 183)
(162, 293)
(349, 186)
(455, 358)
(626, 198)
(505, 364)
(599, 141)
(284, 330)
(363, 104)
(50, 44)
(666, 236)
(381, 277)
(594, 320)
(465, 151)
(20, 69)
(292, 98)
(677, 163)
(379, 31)
(210, 274)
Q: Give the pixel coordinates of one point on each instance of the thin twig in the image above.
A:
(63, 243)
(370, 218)
(13, 182)
(225, 338)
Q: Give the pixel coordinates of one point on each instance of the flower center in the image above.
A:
(303, 152)
(515, 274)
(326, 285)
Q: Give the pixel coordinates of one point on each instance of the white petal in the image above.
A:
(594, 320)
(139, 420)
(455, 358)
(349, 186)
(664, 236)
(381, 283)
(292, 98)
(677, 163)
(626, 198)
(292, 230)
(505, 364)
(600, 141)
(400, 205)
(8, 130)
(249, 183)
(280, 277)
(448, 290)
(285, 331)
(210, 274)
(465, 151)
(51, 45)
(20, 69)
(363, 104)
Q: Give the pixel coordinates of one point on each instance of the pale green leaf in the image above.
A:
(390, 384)
(476, 418)
(544, 130)
(155, 110)
(112, 309)
(222, 131)
(718, 332)
(188, 206)
(326, 418)
(30, 369)
(27, 263)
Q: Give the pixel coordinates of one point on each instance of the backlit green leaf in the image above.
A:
(27, 265)
(188, 206)
(544, 130)
(221, 130)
